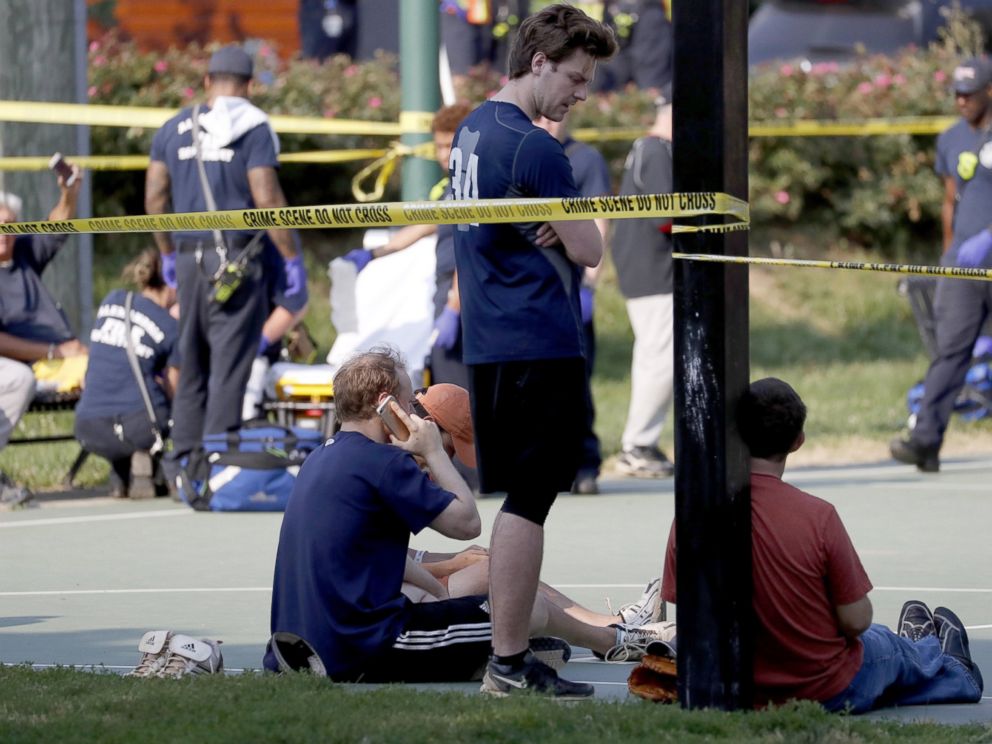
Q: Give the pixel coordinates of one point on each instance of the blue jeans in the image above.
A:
(897, 671)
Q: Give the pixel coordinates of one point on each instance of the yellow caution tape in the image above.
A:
(946, 271)
(152, 118)
(416, 122)
(390, 214)
(419, 122)
(385, 166)
(140, 162)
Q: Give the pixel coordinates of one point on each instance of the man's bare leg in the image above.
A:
(575, 610)
(515, 554)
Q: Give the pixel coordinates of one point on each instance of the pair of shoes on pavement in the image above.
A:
(175, 655)
(644, 462)
(917, 622)
(645, 609)
(926, 458)
(585, 483)
(13, 496)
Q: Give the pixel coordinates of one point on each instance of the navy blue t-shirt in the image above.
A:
(342, 549)
(589, 168)
(27, 308)
(965, 154)
(110, 388)
(226, 167)
(519, 301)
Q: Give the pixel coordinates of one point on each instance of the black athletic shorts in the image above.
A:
(446, 641)
(530, 419)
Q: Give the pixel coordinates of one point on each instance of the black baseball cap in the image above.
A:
(231, 60)
(972, 75)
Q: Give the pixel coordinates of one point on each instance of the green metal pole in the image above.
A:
(420, 95)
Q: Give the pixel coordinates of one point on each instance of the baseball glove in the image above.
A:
(654, 679)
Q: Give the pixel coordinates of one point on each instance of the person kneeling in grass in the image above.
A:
(814, 636)
(337, 604)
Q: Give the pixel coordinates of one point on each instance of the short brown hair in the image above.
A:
(558, 30)
(448, 118)
(360, 380)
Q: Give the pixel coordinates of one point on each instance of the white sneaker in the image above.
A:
(633, 641)
(190, 656)
(645, 609)
(154, 648)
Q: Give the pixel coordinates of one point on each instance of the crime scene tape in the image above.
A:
(388, 214)
(140, 162)
(955, 272)
(419, 122)
(145, 117)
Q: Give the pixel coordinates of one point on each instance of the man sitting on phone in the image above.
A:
(337, 604)
(33, 326)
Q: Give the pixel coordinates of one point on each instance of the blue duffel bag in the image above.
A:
(252, 469)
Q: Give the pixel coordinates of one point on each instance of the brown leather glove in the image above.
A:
(654, 679)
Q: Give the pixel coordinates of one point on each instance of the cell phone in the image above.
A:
(62, 168)
(396, 427)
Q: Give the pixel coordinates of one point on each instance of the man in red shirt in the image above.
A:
(814, 636)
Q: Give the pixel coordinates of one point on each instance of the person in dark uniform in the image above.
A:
(647, 46)
(961, 306)
(218, 337)
(111, 418)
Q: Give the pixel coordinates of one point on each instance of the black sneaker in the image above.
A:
(911, 452)
(954, 640)
(531, 677)
(555, 652)
(915, 621)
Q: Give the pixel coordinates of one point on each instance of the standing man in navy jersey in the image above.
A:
(521, 320)
(218, 338)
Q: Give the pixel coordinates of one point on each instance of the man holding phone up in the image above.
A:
(522, 324)
(33, 326)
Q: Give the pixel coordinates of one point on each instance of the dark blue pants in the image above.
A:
(591, 457)
(217, 343)
(961, 307)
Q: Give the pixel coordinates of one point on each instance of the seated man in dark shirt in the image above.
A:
(814, 636)
(337, 604)
(32, 324)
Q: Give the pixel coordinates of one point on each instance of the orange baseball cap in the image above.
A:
(448, 405)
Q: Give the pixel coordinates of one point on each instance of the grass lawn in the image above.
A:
(67, 705)
(845, 340)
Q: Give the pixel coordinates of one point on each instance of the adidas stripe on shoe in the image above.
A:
(189, 656)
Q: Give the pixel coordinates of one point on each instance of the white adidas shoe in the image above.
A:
(189, 656)
(154, 648)
(644, 610)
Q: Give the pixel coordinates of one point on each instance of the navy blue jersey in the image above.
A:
(342, 548)
(519, 301)
(27, 308)
(965, 154)
(226, 166)
(110, 388)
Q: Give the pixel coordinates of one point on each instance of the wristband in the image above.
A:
(419, 556)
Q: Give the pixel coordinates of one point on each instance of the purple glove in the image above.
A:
(358, 256)
(296, 275)
(446, 328)
(586, 303)
(169, 269)
(973, 252)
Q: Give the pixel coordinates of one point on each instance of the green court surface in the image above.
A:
(85, 576)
